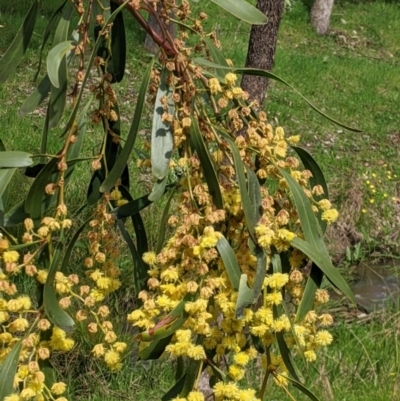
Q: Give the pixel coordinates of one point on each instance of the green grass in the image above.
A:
(353, 74)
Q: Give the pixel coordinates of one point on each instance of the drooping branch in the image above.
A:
(164, 42)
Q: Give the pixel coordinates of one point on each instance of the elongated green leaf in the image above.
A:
(94, 193)
(286, 355)
(308, 220)
(175, 390)
(168, 324)
(36, 194)
(254, 191)
(5, 177)
(307, 301)
(53, 311)
(270, 75)
(120, 163)
(71, 243)
(47, 32)
(316, 179)
(321, 258)
(15, 158)
(158, 190)
(54, 60)
(49, 372)
(248, 296)
(260, 272)
(118, 44)
(313, 246)
(155, 349)
(161, 135)
(309, 163)
(140, 230)
(89, 64)
(58, 95)
(243, 10)
(163, 223)
(245, 297)
(16, 215)
(303, 389)
(36, 97)
(8, 369)
(248, 209)
(131, 208)
(139, 269)
(75, 149)
(217, 57)
(196, 141)
(231, 264)
(192, 373)
(284, 349)
(16, 51)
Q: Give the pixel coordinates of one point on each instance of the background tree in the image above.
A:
(262, 47)
(320, 15)
(154, 23)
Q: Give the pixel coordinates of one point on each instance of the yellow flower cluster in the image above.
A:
(190, 269)
(24, 321)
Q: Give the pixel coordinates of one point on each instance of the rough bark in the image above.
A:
(320, 15)
(262, 46)
(149, 43)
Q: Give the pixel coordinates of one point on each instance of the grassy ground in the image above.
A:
(353, 74)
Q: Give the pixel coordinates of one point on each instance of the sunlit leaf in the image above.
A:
(47, 32)
(15, 158)
(58, 95)
(243, 10)
(5, 177)
(8, 369)
(161, 135)
(158, 189)
(17, 49)
(55, 58)
(245, 296)
(231, 264)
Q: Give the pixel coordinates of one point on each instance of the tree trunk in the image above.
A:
(262, 46)
(149, 43)
(320, 15)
